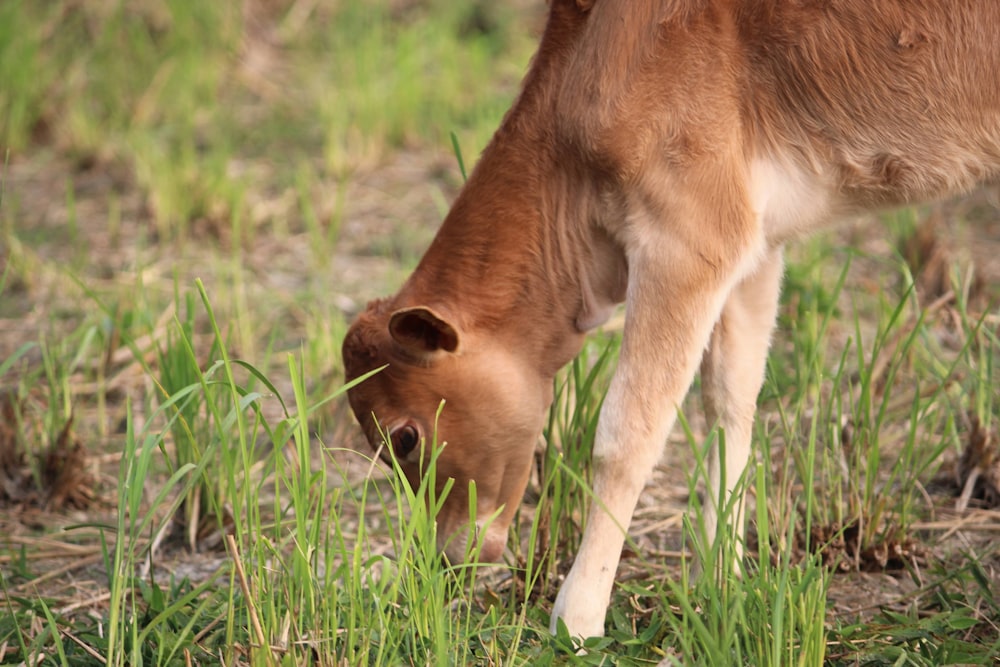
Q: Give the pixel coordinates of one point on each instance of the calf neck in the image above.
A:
(660, 153)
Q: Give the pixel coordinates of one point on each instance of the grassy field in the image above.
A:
(195, 199)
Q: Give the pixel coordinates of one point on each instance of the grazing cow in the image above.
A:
(661, 153)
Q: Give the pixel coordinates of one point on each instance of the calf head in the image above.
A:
(466, 393)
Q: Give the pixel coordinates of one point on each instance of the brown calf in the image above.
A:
(661, 153)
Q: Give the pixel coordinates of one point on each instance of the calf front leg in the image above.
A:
(672, 305)
(732, 372)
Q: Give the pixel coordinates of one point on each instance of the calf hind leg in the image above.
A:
(732, 372)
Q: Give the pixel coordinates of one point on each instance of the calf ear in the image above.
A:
(422, 331)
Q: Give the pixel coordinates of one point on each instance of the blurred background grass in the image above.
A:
(183, 95)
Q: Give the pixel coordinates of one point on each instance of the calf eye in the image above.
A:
(404, 440)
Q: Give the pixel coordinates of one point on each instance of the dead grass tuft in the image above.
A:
(929, 254)
(977, 473)
(845, 549)
(53, 479)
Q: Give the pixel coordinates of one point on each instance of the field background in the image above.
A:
(195, 200)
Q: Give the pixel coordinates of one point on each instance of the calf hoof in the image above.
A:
(583, 617)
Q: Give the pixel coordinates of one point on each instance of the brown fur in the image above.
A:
(660, 153)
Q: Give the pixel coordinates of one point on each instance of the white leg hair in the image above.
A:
(732, 372)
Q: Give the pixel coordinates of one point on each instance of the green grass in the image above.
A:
(324, 567)
(184, 199)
